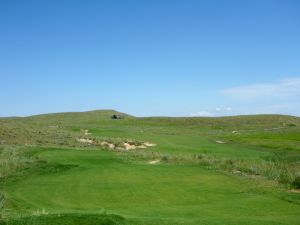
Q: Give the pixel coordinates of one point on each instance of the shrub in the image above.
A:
(296, 182)
(228, 164)
(2, 203)
(2, 200)
(199, 156)
(291, 125)
(165, 158)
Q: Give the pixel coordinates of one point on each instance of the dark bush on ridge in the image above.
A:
(296, 183)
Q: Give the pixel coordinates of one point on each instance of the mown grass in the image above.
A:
(45, 172)
(169, 191)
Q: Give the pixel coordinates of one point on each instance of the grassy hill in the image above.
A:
(86, 168)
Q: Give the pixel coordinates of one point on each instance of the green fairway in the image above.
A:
(150, 192)
(198, 172)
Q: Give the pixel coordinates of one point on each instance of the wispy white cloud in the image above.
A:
(202, 114)
(222, 109)
(218, 111)
(283, 88)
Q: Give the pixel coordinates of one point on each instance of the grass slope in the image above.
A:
(245, 180)
(151, 192)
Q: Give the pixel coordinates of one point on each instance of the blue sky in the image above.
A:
(166, 57)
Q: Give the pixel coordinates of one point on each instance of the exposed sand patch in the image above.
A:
(129, 146)
(148, 144)
(154, 162)
(119, 149)
(85, 140)
(111, 146)
(122, 146)
(221, 142)
(142, 147)
(107, 144)
(295, 191)
(86, 132)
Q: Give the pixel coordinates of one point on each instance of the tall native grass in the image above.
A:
(12, 161)
(276, 170)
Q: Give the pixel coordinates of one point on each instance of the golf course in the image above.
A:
(89, 168)
(160, 112)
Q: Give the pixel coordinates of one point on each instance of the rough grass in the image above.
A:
(67, 219)
(13, 160)
(278, 171)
